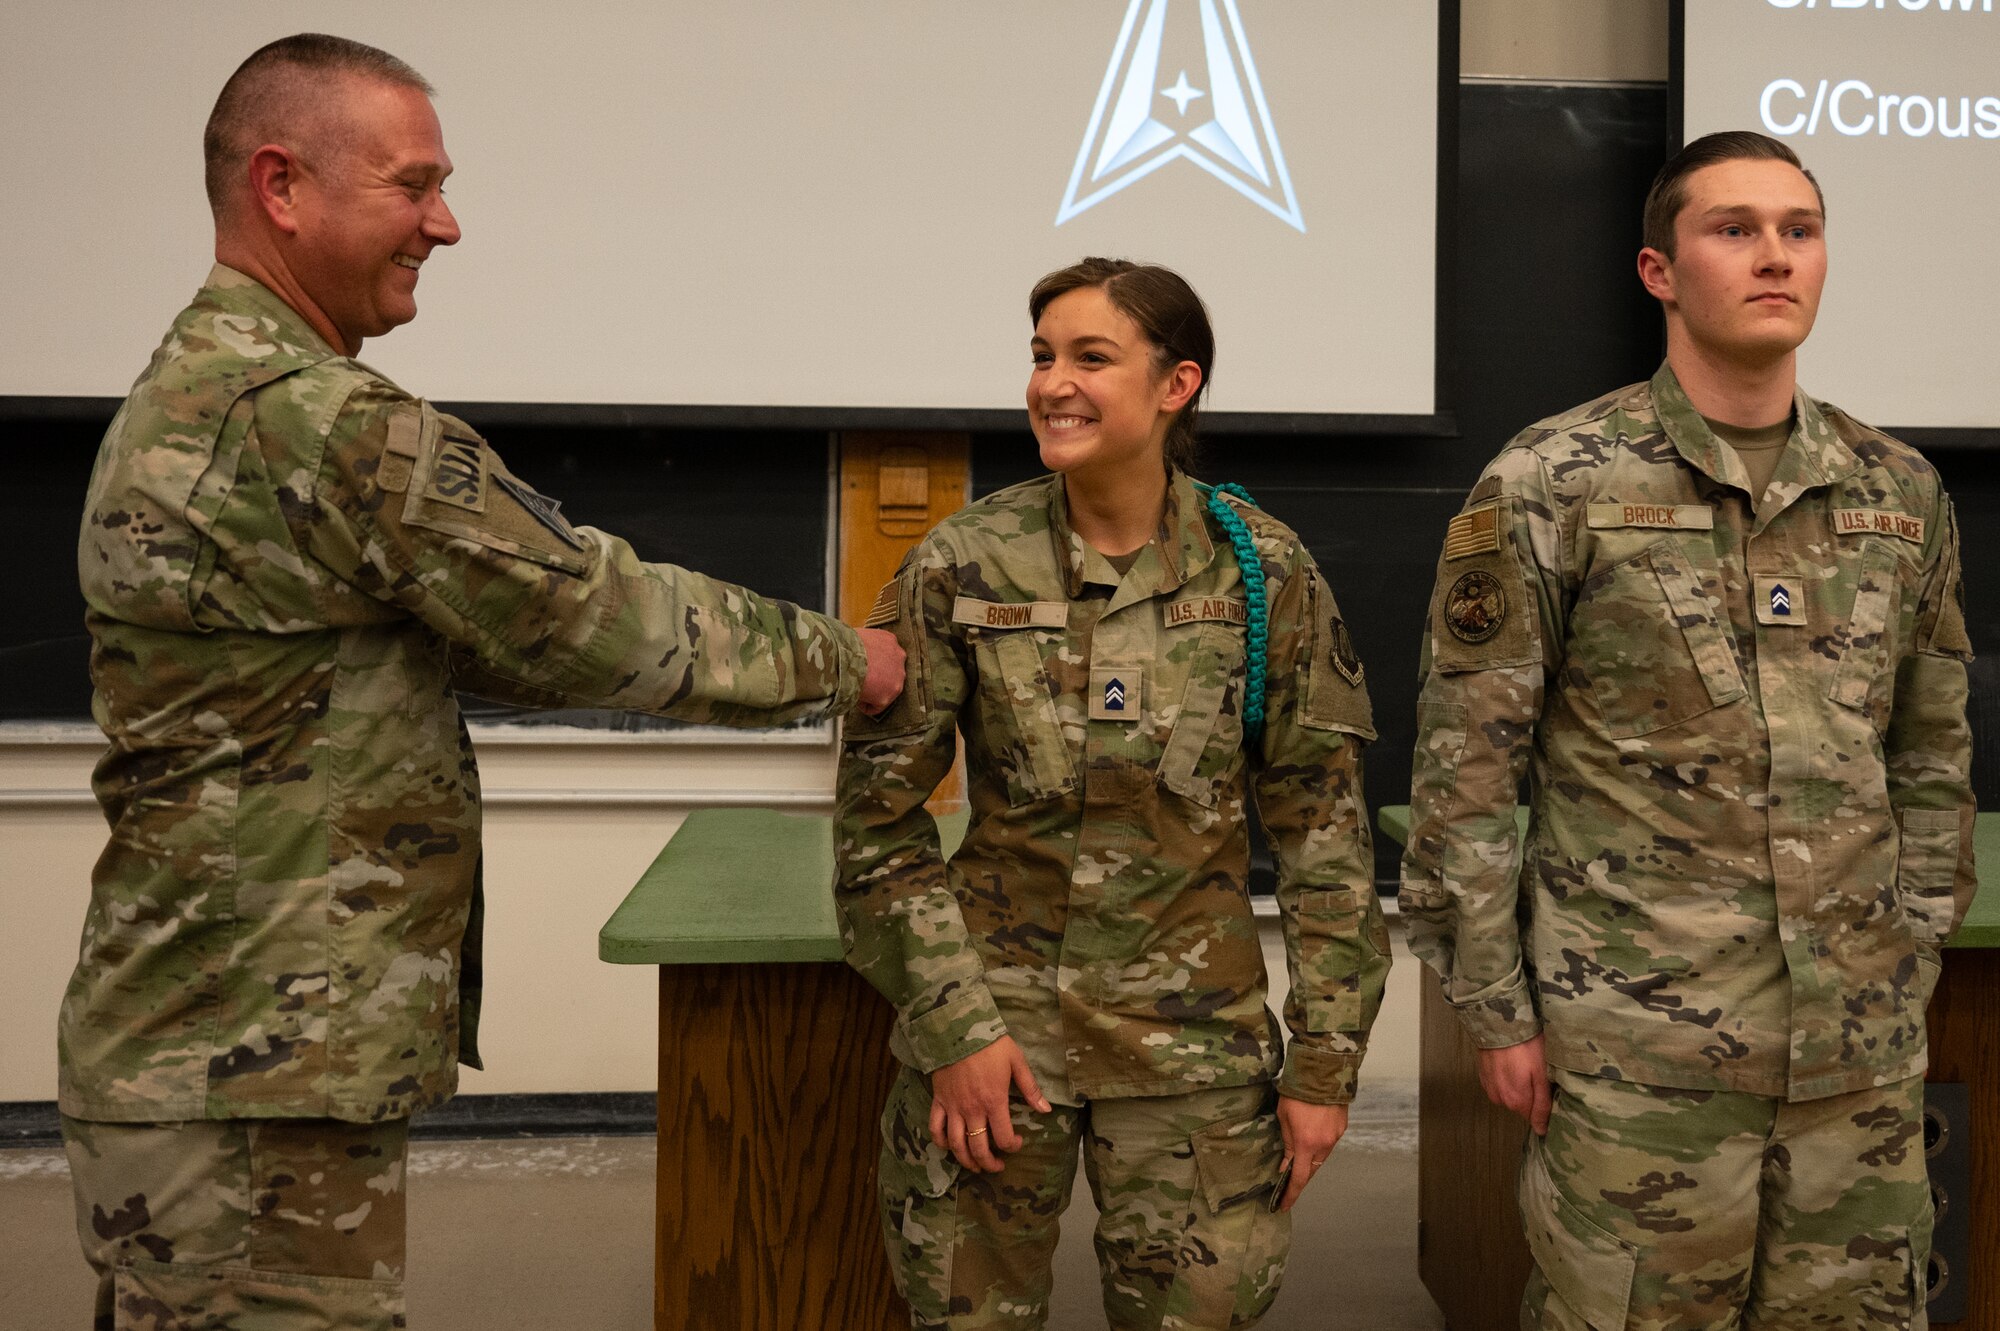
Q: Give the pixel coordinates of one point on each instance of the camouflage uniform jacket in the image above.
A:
(1098, 909)
(1744, 733)
(289, 563)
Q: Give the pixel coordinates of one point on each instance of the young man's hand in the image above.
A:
(1517, 1078)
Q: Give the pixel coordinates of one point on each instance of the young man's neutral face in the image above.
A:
(1749, 261)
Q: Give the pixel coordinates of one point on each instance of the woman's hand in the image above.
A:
(1310, 1131)
(969, 1104)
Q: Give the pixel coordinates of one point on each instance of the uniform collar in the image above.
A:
(1815, 455)
(1182, 548)
(230, 292)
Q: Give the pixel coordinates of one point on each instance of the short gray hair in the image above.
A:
(279, 95)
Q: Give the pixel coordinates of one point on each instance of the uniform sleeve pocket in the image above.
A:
(1863, 653)
(1237, 1161)
(1587, 1266)
(1201, 754)
(1441, 734)
(1330, 914)
(1926, 869)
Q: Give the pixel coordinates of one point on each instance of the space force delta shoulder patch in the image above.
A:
(542, 509)
(1004, 615)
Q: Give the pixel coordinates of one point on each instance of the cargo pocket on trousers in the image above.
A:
(150, 1295)
(1233, 1257)
(917, 1186)
(1588, 1267)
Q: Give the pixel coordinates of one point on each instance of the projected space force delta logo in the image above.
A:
(1209, 111)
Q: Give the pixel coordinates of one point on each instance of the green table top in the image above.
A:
(737, 885)
(1981, 927)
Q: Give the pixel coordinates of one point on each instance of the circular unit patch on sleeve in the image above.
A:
(1476, 607)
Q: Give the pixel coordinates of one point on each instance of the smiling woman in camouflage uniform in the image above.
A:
(1091, 947)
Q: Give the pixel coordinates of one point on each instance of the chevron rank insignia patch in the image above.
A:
(1345, 659)
(1114, 693)
(1781, 599)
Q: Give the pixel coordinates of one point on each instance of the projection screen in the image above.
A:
(1895, 106)
(766, 204)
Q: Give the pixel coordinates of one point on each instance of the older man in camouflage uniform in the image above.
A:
(290, 563)
(1732, 668)
(1096, 920)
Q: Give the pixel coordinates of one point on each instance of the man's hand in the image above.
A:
(883, 683)
(1517, 1078)
(1310, 1131)
(969, 1104)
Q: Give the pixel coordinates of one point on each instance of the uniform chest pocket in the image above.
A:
(1861, 641)
(1024, 731)
(1646, 635)
(1203, 749)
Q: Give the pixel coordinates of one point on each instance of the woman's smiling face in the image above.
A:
(1097, 398)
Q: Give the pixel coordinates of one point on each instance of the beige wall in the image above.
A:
(1623, 41)
(570, 826)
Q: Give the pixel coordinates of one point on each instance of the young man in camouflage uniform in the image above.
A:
(1717, 624)
(1091, 945)
(290, 563)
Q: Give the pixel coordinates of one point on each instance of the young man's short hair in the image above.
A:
(1668, 195)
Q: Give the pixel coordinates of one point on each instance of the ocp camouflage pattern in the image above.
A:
(1185, 1236)
(289, 563)
(255, 1225)
(1744, 733)
(1650, 1208)
(1098, 909)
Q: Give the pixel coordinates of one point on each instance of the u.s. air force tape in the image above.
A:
(1207, 609)
(1882, 521)
(1010, 615)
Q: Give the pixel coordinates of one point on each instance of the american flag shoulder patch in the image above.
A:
(888, 608)
(1473, 532)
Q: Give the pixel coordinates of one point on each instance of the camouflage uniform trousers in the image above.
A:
(1660, 1209)
(277, 1224)
(1186, 1238)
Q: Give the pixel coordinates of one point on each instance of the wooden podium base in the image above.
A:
(772, 1081)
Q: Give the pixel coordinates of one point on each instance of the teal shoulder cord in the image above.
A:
(1259, 616)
